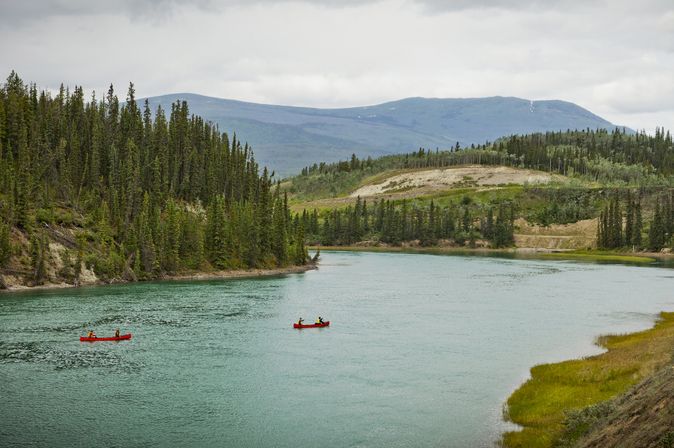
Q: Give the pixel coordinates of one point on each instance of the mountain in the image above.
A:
(287, 138)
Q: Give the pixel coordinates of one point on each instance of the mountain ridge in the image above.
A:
(287, 138)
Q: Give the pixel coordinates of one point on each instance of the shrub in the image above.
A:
(668, 440)
(44, 215)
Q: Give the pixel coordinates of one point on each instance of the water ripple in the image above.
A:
(35, 352)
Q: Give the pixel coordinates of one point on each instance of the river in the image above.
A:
(422, 351)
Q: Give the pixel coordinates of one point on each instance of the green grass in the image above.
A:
(540, 404)
(599, 256)
(387, 174)
(480, 195)
(441, 198)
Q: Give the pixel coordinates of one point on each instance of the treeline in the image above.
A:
(563, 152)
(418, 159)
(621, 222)
(399, 222)
(353, 164)
(596, 154)
(150, 191)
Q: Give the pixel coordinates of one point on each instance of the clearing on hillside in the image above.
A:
(573, 236)
(428, 181)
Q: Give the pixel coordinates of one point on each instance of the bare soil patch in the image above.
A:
(578, 235)
(428, 181)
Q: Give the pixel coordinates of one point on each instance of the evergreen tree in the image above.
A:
(173, 237)
(656, 234)
(137, 266)
(279, 232)
(38, 248)
(638, 225)
(216, 234)
(629, 221)
(503, 228)
(5, 244)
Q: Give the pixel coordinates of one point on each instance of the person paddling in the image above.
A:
(319, 320)
(117, 333)
(91, 334)
(299, 322)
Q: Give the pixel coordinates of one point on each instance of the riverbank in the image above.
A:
(246, 273)
(642, 417)
(549, 404)
(516, 252)
(16, 284)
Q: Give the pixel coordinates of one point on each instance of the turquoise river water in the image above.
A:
(422, 351)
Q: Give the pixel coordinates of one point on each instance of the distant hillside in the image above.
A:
(615, 158)
(288, 138)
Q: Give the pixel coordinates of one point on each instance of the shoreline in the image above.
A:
(547, 405)
(641, 258)
(183, 276)
(242, 273)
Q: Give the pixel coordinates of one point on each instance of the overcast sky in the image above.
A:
(614, 57)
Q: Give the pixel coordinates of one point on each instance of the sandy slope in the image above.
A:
(577, 235)
(456, 177)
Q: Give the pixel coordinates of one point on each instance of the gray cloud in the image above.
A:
(616, 58)
(17, 12)
(506, 5)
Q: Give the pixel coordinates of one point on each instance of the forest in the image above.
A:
(622, 179)
(130, 192)
(621, 223)
(395, 223)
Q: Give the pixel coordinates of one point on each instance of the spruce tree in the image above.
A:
(629, 221)
(656, 234)
(5, 244)
(618, 224)
(638, 225)
(38, 248)
(279, 232)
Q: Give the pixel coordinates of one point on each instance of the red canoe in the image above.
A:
(324, 324)
(119, 338)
